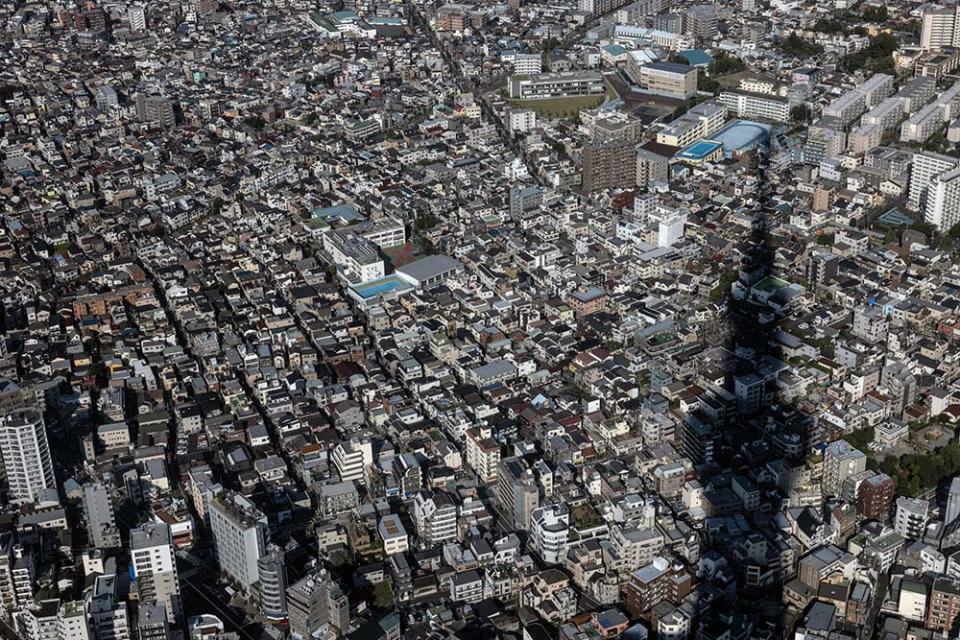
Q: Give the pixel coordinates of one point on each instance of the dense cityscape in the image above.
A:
(536, 319)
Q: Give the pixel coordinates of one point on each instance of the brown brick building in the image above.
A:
(875, 496)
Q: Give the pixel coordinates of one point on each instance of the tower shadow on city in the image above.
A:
(769, 430)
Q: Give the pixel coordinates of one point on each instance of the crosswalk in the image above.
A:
(190, 573)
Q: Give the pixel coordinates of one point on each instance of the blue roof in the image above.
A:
(696, 57)
(615, 49)
(742, 134)
(343, 211)
(699, 150)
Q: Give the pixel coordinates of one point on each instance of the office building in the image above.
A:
(99, 516)
(565, 84)
(393, 534)
(273, 584)
(756, 106)
(239, 537)
(669, 223)
(25, 454)
(912, 603)
(669, 79)
(154, 567)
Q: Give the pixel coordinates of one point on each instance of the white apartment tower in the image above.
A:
(26, 455)
(840, 461)
(940, 28)
(155, 566)
(923, 169)
(910, 517)
(943, 200)
(239, 536)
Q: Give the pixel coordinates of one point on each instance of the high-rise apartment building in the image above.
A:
(550, 527)
(953, 502)
(875, 496)
(108, 614)
(155, 567)
(944, 610)
(239, 536)
(137, 17)
(313, 602)
(72, 621)
(352, 458)
(38, 622)
(701, 21)
(273, 584)
(152, 621)
(483, 453)
(840, 461)
(517, 491)
(609, 166)
(910, 517)
(156, 111)
(435, 515)
(925, 167)
(940, 28)
(99, 516)
(25, 453)
(942, 209)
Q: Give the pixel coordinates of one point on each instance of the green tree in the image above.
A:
(800, 113)
(726, 63)
(795, 45)
(876, 14)
(828, 25)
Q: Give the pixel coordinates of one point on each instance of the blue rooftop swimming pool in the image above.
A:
(699, 150)
(378, 287)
